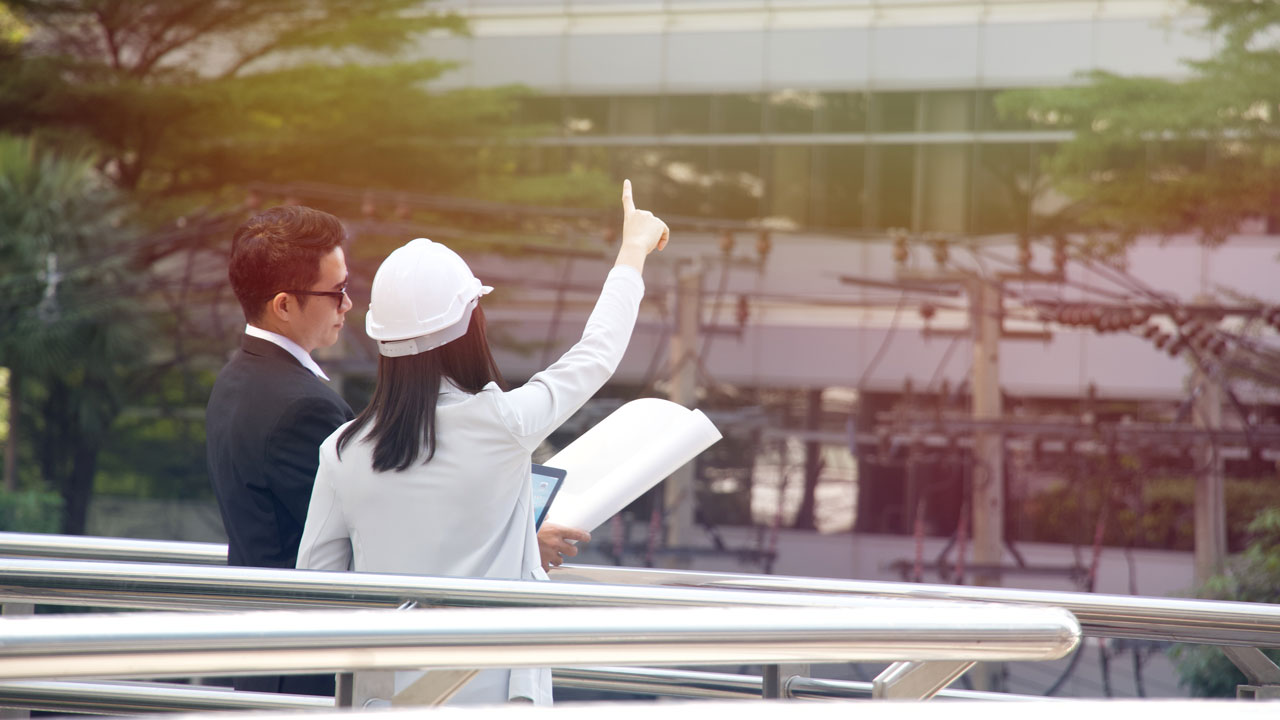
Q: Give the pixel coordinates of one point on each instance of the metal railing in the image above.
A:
(76, 547)
(1242, 627)
(144, 586)
(1215, 622)
(130, 698)
(124, 645)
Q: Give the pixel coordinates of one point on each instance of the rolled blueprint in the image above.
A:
(628, 452)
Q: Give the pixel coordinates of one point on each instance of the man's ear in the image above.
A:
(280, 306)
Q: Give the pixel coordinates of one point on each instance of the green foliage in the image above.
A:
(1157, 156)
(32, 511)
(1155, 513)
(187, 98)
(1253, 576)
(69, 332)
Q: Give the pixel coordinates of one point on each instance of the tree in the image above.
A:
(1253, 576)
(187, 100)
(68, 335)
(1160, 156)
(182, 104)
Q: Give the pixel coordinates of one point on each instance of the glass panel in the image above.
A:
(790, 179)
(1002, 185)
(737, 113)
(893, 186)
(945, 182)
(542, 110)
(990, 119)
(641, 166)
(636, 115)
(738, 185)
(792, 111)
(684, 182)
(838, 184)
(1047, 203)
(587, 115)
(948, 111)
(688, 114)
(540, 159)
(894, 111)
(843, 112)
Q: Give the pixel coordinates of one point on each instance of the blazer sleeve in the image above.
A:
(292, 450)
(326, 540)
(535, 410)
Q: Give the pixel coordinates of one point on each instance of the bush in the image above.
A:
(1253, 576)
(38, 511)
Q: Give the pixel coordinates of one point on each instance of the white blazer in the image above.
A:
(467, 512)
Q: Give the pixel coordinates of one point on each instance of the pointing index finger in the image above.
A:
(628, 205)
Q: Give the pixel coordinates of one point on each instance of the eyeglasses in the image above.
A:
(338, 295)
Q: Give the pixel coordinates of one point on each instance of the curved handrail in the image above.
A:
(1122, 616)
(1216, 622)
(180, 644)
(76, 547)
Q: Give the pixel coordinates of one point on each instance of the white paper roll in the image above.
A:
(628, 452)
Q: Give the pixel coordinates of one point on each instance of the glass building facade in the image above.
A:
(940, 161)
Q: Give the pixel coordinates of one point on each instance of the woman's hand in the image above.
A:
(642, 232)
(554, 545)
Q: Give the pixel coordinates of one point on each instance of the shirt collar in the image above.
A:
(290, 346)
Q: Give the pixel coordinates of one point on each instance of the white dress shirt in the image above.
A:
(467, 512)
(292, 347)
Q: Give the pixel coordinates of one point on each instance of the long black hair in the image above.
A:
(403, 407)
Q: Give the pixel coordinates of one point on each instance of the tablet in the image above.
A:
(546, 483)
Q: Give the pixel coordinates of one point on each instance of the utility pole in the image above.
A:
(986, 308)
(678, 490)
(988, 446)
(1210, 507)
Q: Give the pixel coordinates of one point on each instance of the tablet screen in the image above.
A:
(546, 483)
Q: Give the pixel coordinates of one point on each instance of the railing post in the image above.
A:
(916, 680)
(1261, 672)
(344, 689)
(777, 679)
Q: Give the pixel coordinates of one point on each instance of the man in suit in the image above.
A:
(270, 408)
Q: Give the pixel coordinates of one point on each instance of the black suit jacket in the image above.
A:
(266, 418)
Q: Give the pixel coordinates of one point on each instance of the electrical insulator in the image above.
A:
(726, 242)
(743, 311)
(941, 253)
(1060, 254)
(1024, 252)
(900, 252)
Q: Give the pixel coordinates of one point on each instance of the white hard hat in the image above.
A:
(422, 298)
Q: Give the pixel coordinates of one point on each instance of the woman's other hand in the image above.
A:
(554, 545)
(642, 232)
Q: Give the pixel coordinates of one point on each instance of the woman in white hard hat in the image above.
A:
(433, 477)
